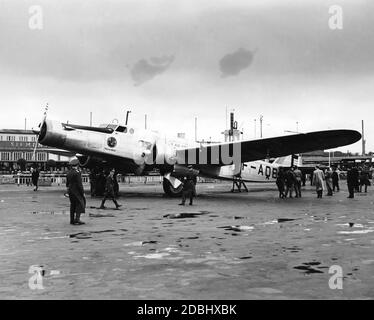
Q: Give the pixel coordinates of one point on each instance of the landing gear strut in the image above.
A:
(239, 183)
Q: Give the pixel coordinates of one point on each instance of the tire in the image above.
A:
(170, 190)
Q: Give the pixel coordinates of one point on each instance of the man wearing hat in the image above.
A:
(110, 190)
(75, 192)
(188, 190)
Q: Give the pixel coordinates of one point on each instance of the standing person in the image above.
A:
(115, 185)
(109, 190)
(92, 177)
(364, 179)
(328, 178)
(188, 190)
(280, 182)
(298, 180)
(35, 177)
(355, 179)
(335, 179)
(76, 193)
(290, 180)
(351, 183)
(318, 181)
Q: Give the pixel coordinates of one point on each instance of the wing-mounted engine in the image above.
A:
(180, 171)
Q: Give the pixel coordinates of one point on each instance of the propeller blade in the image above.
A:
(37, 131)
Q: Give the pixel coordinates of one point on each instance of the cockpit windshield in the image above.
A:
(121, 129)
(112, 126)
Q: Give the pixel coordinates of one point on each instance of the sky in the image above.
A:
(177, 60)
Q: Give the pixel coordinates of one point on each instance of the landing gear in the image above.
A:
(170, 190)
(239, 183)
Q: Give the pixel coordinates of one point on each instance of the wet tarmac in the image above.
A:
(226, 246)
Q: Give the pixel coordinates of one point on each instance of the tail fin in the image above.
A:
(288, 161)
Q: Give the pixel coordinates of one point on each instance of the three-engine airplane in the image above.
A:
(138, 151)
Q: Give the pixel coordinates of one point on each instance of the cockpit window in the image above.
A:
(121, 129)
(112, 126)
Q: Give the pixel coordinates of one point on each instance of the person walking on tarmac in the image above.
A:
(76, 193)
(335, 179)
(35, 177)
(109, 190)
(298, 181)
(280, 182)
(352, 181)
(319, 181)
(290, 182)
(328, 179)
(188, 190)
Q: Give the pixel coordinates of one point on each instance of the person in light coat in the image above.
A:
(319, 181)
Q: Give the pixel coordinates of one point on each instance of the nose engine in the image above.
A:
(52, 134)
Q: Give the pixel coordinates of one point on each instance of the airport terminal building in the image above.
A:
(17, 148)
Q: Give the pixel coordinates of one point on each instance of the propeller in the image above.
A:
(40, 129)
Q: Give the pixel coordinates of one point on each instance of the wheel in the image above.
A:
(170, 190)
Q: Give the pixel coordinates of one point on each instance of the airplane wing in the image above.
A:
(251, 150)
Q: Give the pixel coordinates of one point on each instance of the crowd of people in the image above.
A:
(289, 181)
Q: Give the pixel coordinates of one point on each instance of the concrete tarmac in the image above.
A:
(226, 246)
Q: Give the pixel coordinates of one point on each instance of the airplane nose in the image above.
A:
(36, 130)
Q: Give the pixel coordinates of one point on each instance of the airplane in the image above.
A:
(132, 150)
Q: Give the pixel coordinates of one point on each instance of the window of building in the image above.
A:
(28, 156)
(6, 156)
(17, 155)
(41, 156)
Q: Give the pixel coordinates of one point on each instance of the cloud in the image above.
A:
(233, 63)
(143, 70)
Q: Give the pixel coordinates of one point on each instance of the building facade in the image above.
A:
(18, 144)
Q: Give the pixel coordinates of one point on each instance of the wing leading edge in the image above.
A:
(270, 147)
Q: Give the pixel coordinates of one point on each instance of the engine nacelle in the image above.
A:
(183, 171)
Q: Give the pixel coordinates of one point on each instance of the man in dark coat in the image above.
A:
(109, 190)
(290, 182)
(280, 182)
(352, 181)
(35, 178)
(298, 180)
(188, 190)
(364, 179)
(335, 179)
(76, 193)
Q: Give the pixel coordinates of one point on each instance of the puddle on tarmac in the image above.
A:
(189, 238)
(292, 249)
(184, 215)
(237, 228)
(139, 243)
(99, 215)
(281, 220)
(50, 212)
(307, 267)
(245, 258)
(357, 231)
(87, 235)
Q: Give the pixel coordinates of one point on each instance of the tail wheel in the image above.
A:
(170, 190)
